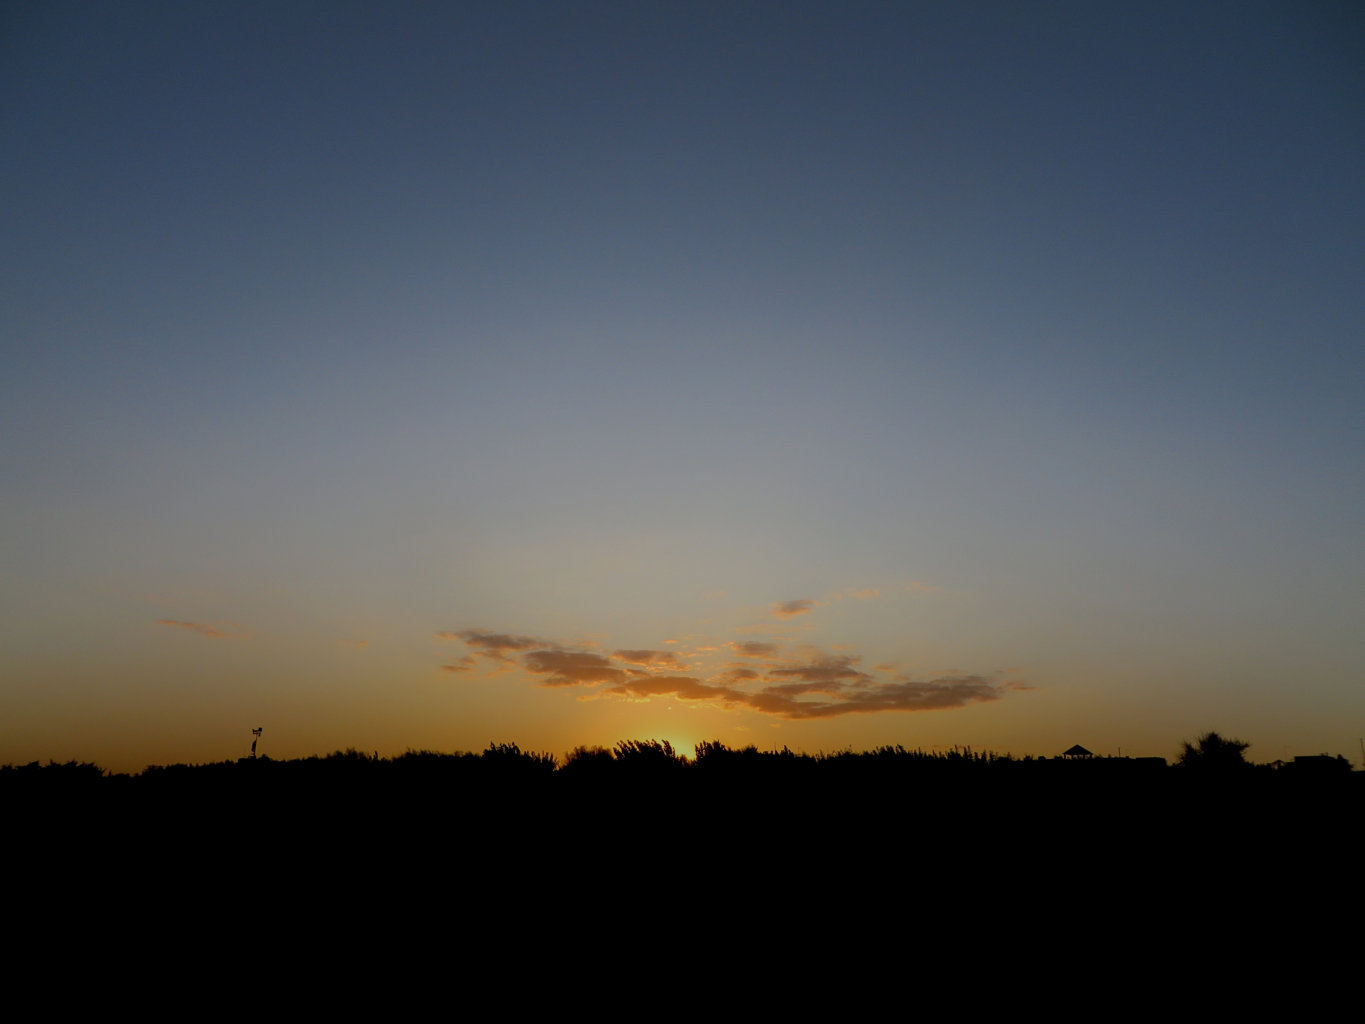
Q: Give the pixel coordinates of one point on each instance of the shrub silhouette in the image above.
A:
(1212, 752)
(588, 761)
(510, 759)
(649, 755)
(55, 775)
(713, 754)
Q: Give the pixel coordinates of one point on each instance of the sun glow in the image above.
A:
(682, 745)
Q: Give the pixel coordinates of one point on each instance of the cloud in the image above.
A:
(911, 695)
(203, 629)
(846, 690)
(825, 670)
(752, 649)
(682, 687)
(814, 683)
(907, 695)
(786, 609)
(572, 668)
(666, 659)
(494, 646)
(797, 689)
(739, 675)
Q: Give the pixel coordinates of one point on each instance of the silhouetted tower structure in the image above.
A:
(255, 735)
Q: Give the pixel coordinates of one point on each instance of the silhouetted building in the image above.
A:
(1318, 764)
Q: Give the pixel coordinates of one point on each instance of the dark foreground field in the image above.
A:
(777, 817)
(632, 871)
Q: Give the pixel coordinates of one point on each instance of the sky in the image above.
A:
(401, 376)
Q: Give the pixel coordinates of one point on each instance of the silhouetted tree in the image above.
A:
(510, 759)
(649, 755)
(1211, 752)
(588, 761)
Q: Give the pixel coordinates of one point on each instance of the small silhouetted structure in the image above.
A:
(1077, 751)
(255, 735)
(1318, 764)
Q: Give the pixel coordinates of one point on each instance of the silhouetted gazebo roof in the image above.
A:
(1077, 751)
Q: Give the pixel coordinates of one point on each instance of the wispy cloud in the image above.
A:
(787, 609)
(802, 683)
(753, 648)
(824, 669)
(906, 695)
(230, 630)
(739, 675)
(572, 668)
(495, 646)
(784, 700)
(663, 659)
(682, 687)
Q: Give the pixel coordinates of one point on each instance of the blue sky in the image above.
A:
(330, 328)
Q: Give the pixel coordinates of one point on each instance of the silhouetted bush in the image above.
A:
(1211, 752)
(649, 756)
(510, 760)
(713, 754)
(56, 775)
(757, 789)
(588, 761)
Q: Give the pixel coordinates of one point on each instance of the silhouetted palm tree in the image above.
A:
(1213, 752)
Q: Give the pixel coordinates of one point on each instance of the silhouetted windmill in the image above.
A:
(255, 735)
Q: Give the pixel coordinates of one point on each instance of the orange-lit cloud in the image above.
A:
(786, 609)
(739, 675)
(682, 687)
(572, 668)
(807, 683)
(663, 659)
(907, 695)
(752, 648)
(203, 629)
(824, 670)
(782, 700)
(465, 664)
(495, 646)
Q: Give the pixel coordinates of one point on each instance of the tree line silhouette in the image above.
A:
(507, 827)
(657, 760)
